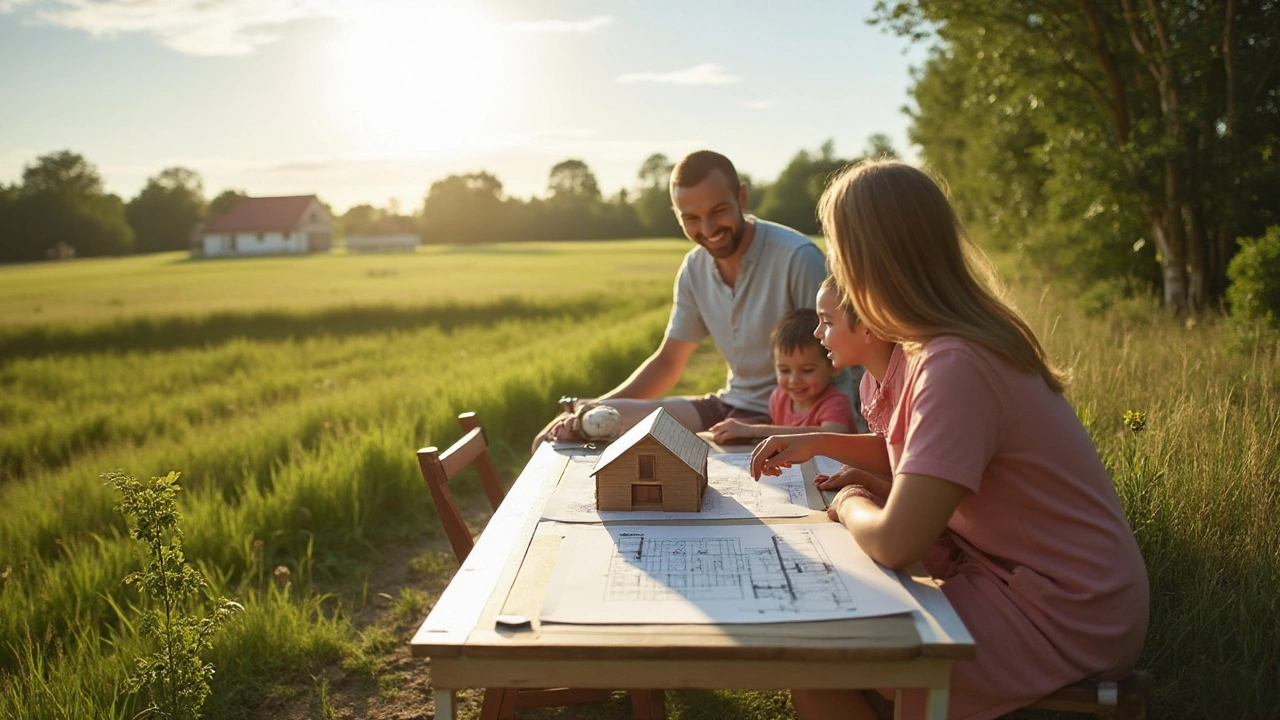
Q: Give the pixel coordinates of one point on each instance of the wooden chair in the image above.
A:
(1123, 699)
(438, 468)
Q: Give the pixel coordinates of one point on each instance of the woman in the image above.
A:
(997, 487)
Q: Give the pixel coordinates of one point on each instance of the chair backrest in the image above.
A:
(488, 475)
(438, 468)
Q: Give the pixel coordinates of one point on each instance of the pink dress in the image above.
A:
(831, 406)
(1039, 561)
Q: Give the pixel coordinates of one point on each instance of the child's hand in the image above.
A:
(730, 429)
(877, 485)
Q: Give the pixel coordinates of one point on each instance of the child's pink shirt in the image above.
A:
(832, 406)
(880, 397)
(1039, 561)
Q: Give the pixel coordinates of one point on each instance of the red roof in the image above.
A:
(262, 214)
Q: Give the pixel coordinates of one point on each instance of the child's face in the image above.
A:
(846, 346)
(803, 374)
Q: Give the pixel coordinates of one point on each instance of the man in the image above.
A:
(745, 274)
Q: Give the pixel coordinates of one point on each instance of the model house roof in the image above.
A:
(263, 214)
(661, 426)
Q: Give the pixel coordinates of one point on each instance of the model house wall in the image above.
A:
(657, 465)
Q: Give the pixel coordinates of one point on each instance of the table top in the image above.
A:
(508, 570)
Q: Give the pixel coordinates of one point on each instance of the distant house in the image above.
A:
(389, 242)
(658, 464)
(267, 226)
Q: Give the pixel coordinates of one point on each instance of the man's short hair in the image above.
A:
(696, 166)
(795, 332)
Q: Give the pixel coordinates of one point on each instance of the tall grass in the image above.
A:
(1200, 485)
(292, 409)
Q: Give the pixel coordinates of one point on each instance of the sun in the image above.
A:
(419, 78)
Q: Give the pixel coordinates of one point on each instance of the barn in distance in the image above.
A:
(658, 464)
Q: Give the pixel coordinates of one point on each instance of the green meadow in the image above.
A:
(291, 393)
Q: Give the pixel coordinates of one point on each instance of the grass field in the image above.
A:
(291, 392)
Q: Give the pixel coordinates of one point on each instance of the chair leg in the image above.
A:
(649, 704)
(499, 704)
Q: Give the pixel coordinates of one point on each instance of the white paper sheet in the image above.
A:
(705, 574)
(730, 494)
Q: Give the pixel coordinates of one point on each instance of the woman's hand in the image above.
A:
(780, 451)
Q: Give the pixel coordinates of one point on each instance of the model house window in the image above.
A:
(646, 467)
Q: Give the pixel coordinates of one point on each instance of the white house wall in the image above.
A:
(270, 243)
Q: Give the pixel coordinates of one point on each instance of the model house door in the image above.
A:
(646, 496)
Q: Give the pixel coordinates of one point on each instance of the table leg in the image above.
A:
(936, 704)
(446, 705)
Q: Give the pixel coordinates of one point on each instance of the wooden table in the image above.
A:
(507, 573)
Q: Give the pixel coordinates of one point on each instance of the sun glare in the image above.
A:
(419, 78)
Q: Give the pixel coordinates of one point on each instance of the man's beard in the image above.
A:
(735, 240)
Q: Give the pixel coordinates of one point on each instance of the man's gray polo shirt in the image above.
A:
(781, 271)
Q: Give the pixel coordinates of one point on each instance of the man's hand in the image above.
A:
(563, 427)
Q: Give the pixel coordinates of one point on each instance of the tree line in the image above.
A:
(1131, 143)
(61, 208)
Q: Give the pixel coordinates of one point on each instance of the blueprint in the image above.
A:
(730, 494)
(705, 574)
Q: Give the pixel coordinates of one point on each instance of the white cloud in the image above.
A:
(193, 27)
(704, 74)
(564, 26)
(760, 104)
(8, 6)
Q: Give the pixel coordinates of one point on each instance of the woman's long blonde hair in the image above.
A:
(903, 259)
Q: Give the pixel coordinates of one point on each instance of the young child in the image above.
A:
(805, 400)
(849, 342)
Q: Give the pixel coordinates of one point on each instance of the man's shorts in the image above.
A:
(711, 410)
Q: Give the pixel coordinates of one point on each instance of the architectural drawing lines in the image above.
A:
(788, 574)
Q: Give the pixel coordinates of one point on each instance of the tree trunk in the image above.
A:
(1173, 266)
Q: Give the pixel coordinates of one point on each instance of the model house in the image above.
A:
(268, 226)
(657, 465)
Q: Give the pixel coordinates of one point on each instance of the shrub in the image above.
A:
(1254, 293)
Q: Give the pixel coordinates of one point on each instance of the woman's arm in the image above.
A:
(903, 531)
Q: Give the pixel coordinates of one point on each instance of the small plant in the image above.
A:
(1135, 421)
(175, 676)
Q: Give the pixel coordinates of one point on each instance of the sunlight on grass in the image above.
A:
(291, 393)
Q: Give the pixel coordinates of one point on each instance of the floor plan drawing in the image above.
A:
(715, 573)
(781, 576)
(730, 494)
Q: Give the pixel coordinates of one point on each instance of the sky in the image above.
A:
(373, 100)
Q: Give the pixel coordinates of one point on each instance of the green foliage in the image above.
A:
(175, 675)
(61, 207)
(1254, 294)
(224, 201)
(793, 199)
(464, 209)
(166, 211)
(1111, 141)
